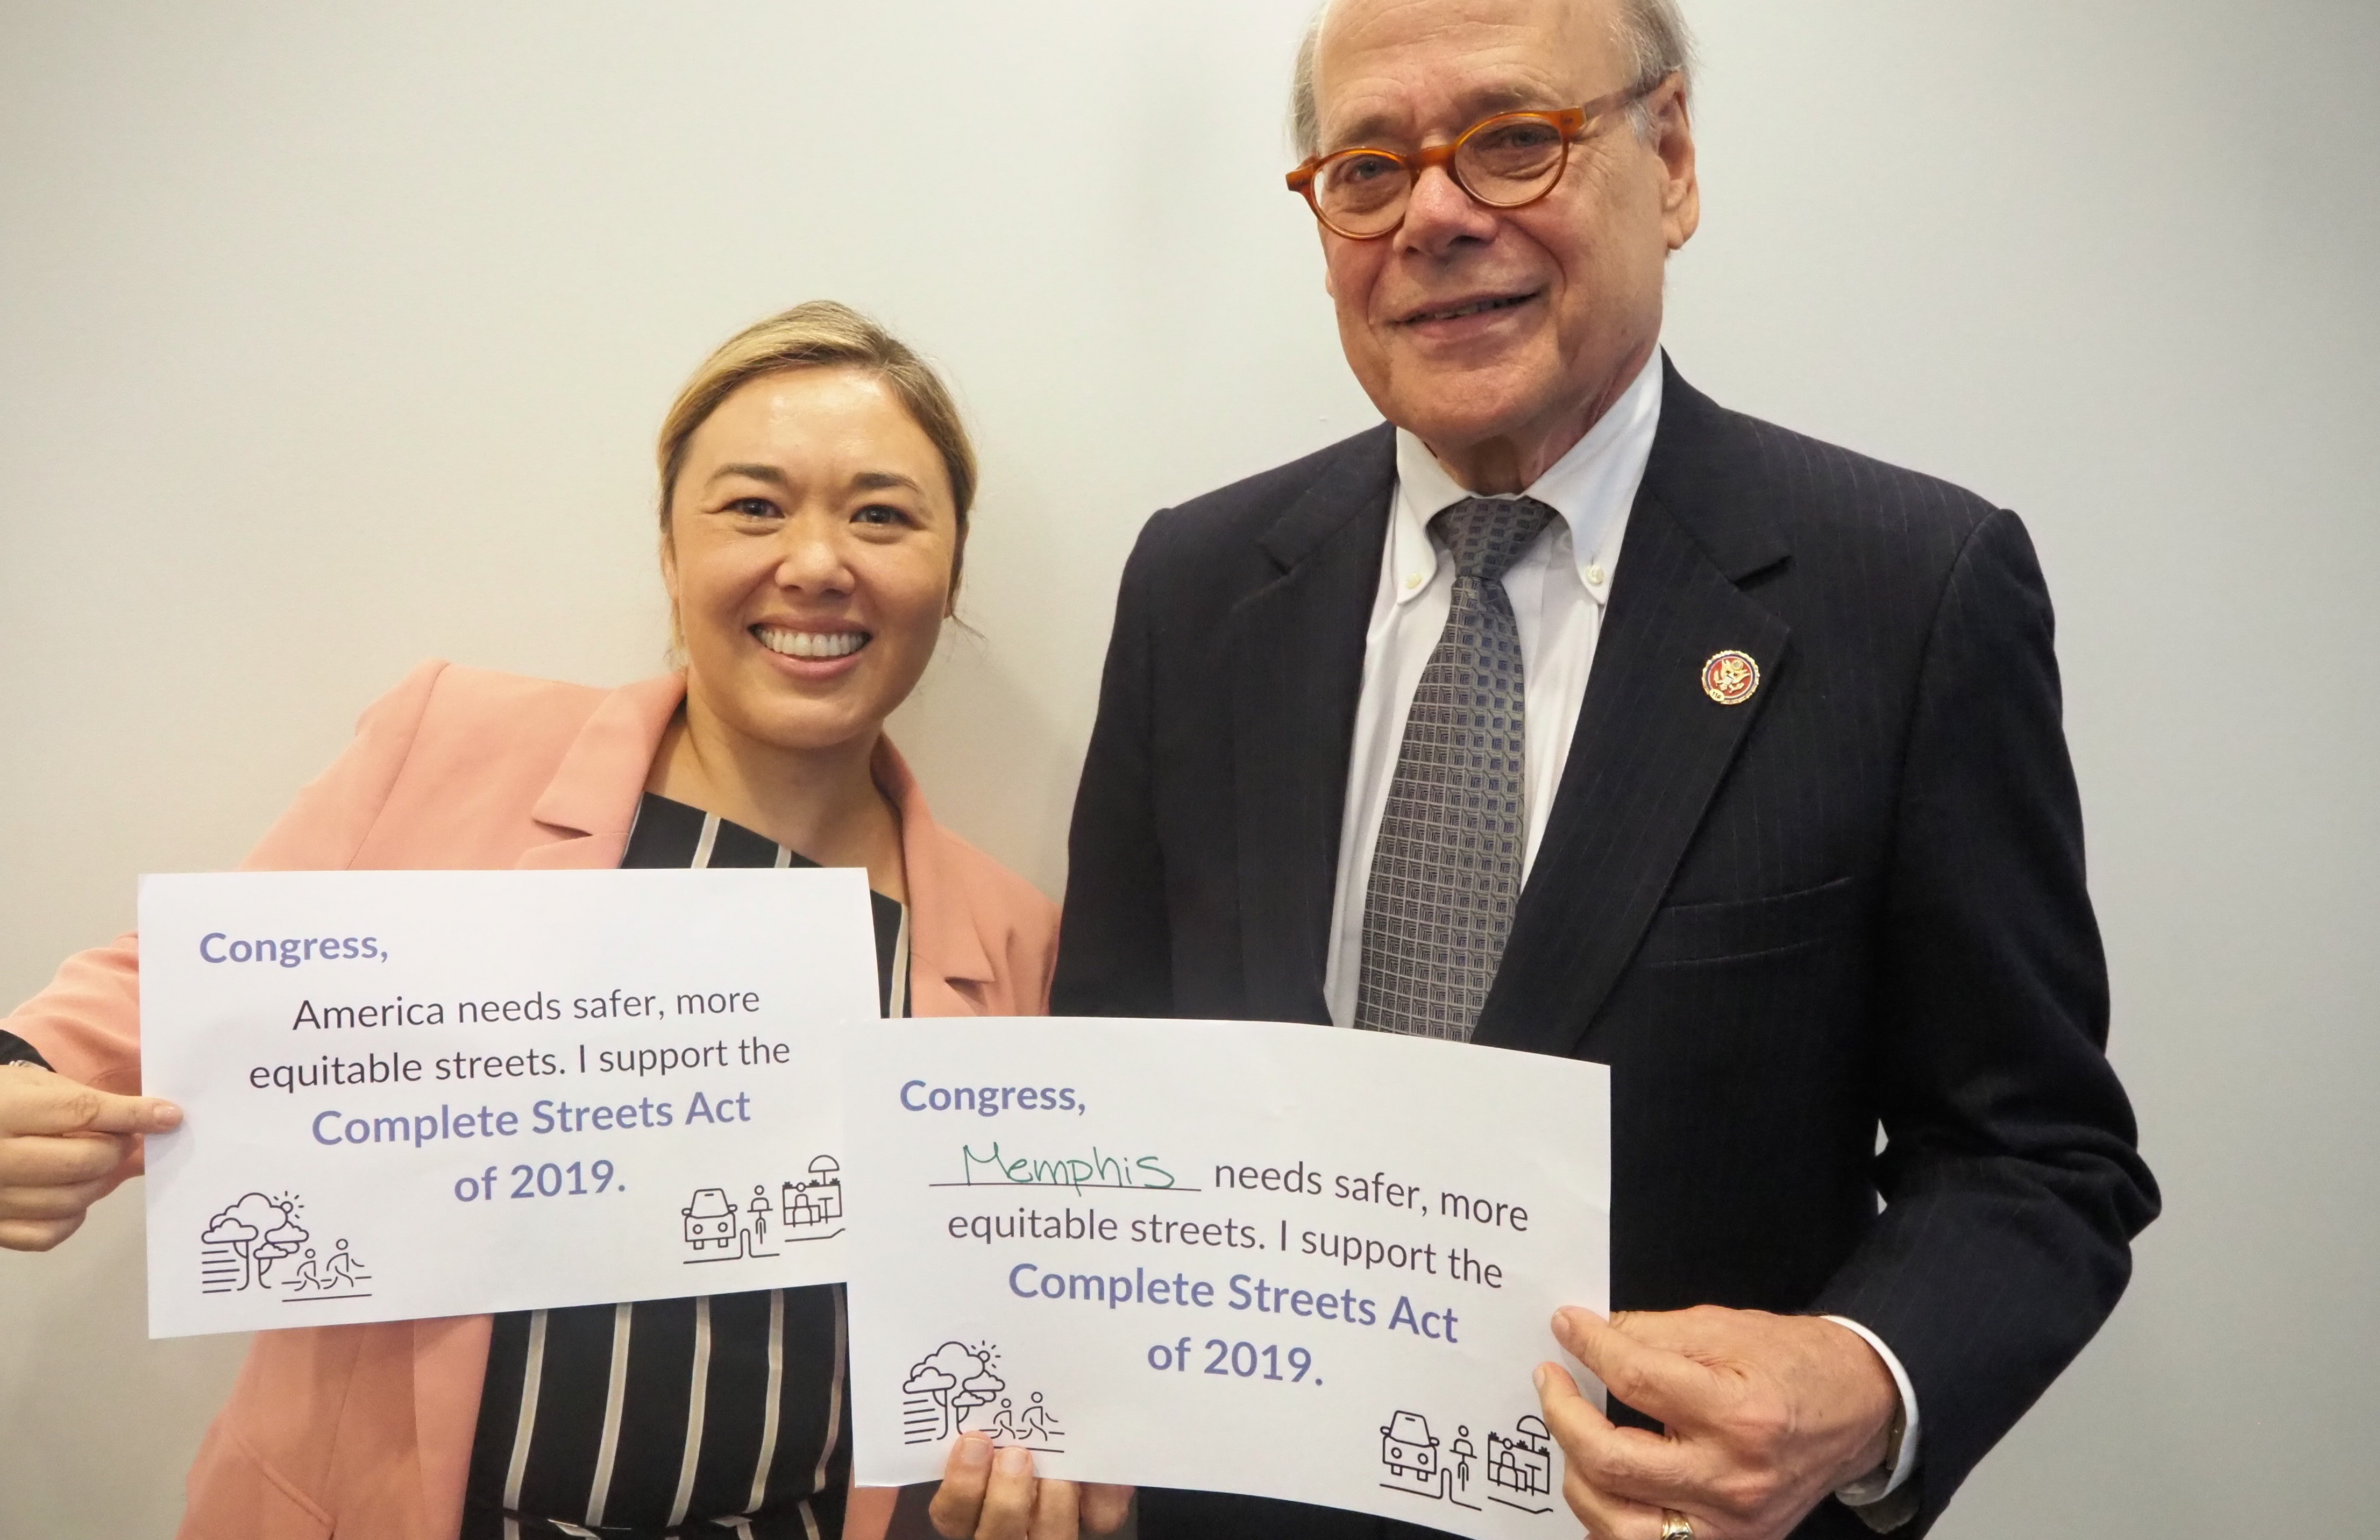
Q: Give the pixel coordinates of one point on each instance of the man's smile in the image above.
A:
(1462, 309)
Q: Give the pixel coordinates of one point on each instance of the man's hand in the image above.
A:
(991, 1495)
(61, 1146)
(1766, 1416)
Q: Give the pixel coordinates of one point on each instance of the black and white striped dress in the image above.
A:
(719, 1415)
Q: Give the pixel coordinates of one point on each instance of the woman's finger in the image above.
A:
(1008, 1499)
(967, 1475)
(33, 1100)
(59, 1160)
(36, 1234)
(1105, 1507)
(51, 1203)
(1056, 1509)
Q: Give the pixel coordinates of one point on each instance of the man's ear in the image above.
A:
(1673, 142)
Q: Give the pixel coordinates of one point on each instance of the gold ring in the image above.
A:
(1675, 1525)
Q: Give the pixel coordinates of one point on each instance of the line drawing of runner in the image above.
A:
(1037, 1429)
(337, 1274)
(339, 1268)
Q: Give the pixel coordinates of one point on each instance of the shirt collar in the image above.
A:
(1591, 486)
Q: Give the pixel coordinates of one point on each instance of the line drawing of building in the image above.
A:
(814, 1208)
(1522, 1464)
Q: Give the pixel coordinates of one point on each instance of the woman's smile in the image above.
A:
(828, 645)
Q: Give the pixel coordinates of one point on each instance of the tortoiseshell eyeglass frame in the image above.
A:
(1572, 123)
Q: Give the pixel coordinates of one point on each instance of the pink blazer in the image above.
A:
(365, 1431)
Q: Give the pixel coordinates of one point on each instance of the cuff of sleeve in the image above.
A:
(15, 1050)
(1884, 1481)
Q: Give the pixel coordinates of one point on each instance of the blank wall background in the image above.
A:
(334, 336)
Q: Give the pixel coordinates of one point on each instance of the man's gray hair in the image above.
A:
(1653, 38)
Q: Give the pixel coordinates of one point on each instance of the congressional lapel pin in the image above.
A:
(1731, 677)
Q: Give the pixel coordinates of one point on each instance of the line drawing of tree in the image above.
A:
(973, 1392)
(943, 1387)
(257, 1230)
(925, 1405)
(278, 1243)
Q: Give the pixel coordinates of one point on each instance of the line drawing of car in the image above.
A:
(1410, 1452)
(711, 1217)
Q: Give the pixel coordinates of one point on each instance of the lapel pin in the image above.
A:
(1731, 677)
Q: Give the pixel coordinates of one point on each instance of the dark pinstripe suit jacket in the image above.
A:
(1857, 899)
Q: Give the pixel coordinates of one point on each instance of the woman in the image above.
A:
(814, 485)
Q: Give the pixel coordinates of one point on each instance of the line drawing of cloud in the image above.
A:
(257, 1211)
(957, 1360)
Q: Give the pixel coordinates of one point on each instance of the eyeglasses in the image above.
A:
(1505, 161)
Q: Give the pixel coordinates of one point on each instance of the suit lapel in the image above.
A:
(1295, 649)
(1651, 747)
(590, 804)
(950, 972)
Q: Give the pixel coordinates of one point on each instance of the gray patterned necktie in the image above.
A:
(1447, 870)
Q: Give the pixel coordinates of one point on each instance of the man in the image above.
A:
(1570, 712)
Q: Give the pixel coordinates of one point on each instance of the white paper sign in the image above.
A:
(1289, 1261)
(421, 1094)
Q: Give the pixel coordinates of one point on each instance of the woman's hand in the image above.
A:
(62, 1147)
(991, 1495)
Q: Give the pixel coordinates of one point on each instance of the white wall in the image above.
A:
(332, 337)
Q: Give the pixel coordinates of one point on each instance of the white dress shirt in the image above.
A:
(1557, 588)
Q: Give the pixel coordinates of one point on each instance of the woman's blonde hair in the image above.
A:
(822, 334)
